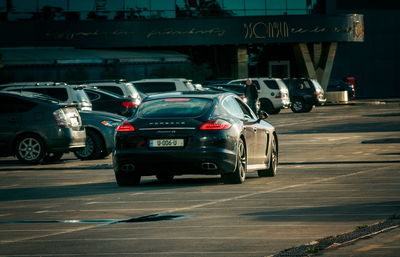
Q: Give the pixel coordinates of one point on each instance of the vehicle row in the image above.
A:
(170, 134)
(275, 94)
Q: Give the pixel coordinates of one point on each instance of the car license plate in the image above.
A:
(166, 142)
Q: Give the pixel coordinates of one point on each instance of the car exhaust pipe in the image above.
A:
(127, 167)
(209, 166)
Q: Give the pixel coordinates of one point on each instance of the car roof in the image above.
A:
(193, 94)
(161, 79)
(33, 83)
(35, 97)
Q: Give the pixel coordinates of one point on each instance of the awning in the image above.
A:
(22, 56)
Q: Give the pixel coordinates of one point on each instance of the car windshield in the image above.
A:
(174, 107)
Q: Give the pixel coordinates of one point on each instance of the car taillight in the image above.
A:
(129, 104)
(60, 118)
(126, 127)
(217, 124)
(279, 95)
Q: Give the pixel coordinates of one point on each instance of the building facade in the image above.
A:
(205, 39)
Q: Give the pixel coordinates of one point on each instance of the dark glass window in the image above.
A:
(93, 96)
(154, 87)
(174, 107)
(272, 84)
(113, 89)
(9, 104)
(57, 93)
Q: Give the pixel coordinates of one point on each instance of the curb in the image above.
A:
(340, 240)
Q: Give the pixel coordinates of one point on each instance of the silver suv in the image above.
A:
(272, 93)
(61, 92)
(119, 87)
(149, 86)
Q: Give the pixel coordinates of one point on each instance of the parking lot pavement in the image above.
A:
(339, 172)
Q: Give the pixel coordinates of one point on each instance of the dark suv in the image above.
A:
(64, 93)
(304, 94)
(33, 126)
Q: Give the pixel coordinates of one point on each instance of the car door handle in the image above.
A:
(12, 120)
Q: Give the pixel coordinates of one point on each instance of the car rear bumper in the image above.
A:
(65, 140)
(201, 161)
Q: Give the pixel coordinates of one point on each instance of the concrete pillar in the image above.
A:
(331, 53)
(319, 66)
(308, 61)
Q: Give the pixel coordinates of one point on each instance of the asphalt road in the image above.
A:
(339, 170)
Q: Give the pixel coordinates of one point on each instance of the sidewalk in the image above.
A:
(374, 240)
(366, 101)
(385, 244)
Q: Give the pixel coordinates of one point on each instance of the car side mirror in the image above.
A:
(262, 115)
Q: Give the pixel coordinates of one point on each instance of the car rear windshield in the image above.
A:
(154, 87)
(174, 107)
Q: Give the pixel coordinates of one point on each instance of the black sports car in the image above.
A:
(194, 133)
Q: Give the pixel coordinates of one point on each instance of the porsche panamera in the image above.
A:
(194, 133)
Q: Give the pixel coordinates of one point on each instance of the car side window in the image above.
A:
(116, 90)
(248, 114)
(232, 106)
(272, 84)
(93, 96)
(155, 87)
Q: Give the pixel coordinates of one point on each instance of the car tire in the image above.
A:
(267, 106)
(53, 157)
(93, 148)
(308, 108)
(298, 105)
(127, 178)
(104, 154)
(273, 162)
(165, 177)
(239, 174)
(30, 149)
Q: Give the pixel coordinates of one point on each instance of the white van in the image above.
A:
(273, 94)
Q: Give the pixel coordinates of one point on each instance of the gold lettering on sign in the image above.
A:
(173, 32)
(261, 30)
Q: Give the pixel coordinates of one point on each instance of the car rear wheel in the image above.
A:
(30, 149)
(273, 162)
(239, 175)
(93, 148)
(127, 178)
(298, 105)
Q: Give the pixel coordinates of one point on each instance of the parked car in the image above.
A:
(272, 93)
(194, 133)
(100, 128)
(304, 93)
(103, 100)
(151, 86)
(340, 85)
(33, 126)
(236, 88)
(120, 87)
(68, 94)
